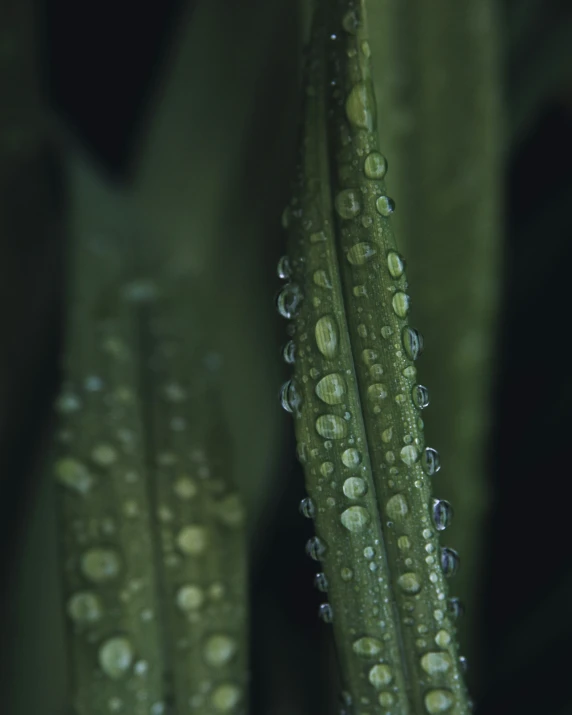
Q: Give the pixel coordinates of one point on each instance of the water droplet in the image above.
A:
(290, 397)
(322, 279)
(412, 342)
(360, 253)
(315, 548)
(354, 487)
(289, 352)
(331, 389)
(409, 583)
(189, 598)
(377, 392)
(326, 613)
(387, 435)
(288, 300)
(326, 468)
(327, 336)
(84, 607)
(347, 203)
(318, 237)
(450, 561)
(410, 371)
(380, 676)
(409, 454)
(73, 474)
(395, 264)
(351, 458)
(331, 427)
(100, 565)
(430, 460)
(355, 518)
(230, 510)
(420, 395)
(438, 701)
(226, 697)
(67, 403)
(401, 303)
(436, 663)
(192, 540)
(442, 514)
(185, 487)
(104, 454)
(115, 657)
(443, 638)
(307, 508)
(375, 165)
(455, 607)
(386, 700)
(219, 650)
(386, 332)
(350, 22)
(284, 269)
(397, 507)
(321, 582)
(404, 543)
(463, 663)
(385, 206)
(346, 573)
(361, 107)
(367, 647)
(93, 383)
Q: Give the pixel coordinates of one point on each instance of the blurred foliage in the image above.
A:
(192, 130)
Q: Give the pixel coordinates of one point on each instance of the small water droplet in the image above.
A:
(430, 460)
(436, 663)
(84, 607)
(189, 597)
(350, 22)
(450, 561)
(326, 613)
(315, 548)
(380, 676)
(395, 264)
(192, 540)
(115, 657)
(401, 303)
(455, 607)
(100, 565)
(185, 487)
(367, 647)
(318, 237)
(410, 371)
(307, 508)
(386, 700)
(67, 403)
(409, 454)
(442, 514)
(331, 389)
(326, 468)
(351, 458)
(438, 701)
(375, 165)
(347, 203)
(289, 352)
(360, 253)
(361, 107)
(397, 507)
(321, 582)
(104, 454)
(226, 697)
(412, 342)
(289, 300)
(284, 269)
(463, 663)
(327, 336)
(73, 474)
(355, 518)
(331, 427)
(443, 638)
(354, 488)
(290, 397)
(409, 582)
(346, 573)
(420, 396)
(385, 205)
(219, 650)
(321, 279)
(377, 392)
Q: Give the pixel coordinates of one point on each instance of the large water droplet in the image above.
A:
(438, 701)
(219, 650)
(290, 397)
(397, 507)
(360, 106)
(192, 540)
(442, 514)
(321, 582)
(307, 508)
(289, 352)
(420, 395)
(73, 474)
(409, 582)
(351, 458)
(284, 269)
(395, 264)
(331, 389)
(327, 336)
(360, 253)
(347, 203)
(385, 205)
(409, 454)
(401, 303)
(430, 461)
(355, 518)
(315, 548)
(436, 663)
(412, 342)
(450, 561)
(331, 427)
(354, 487)
(375, 165)
(100, 565)
(367, 647)
(115, 657)
(289, 300)
(380, 676)
(189, 597)
(326, 612)
(84, 607)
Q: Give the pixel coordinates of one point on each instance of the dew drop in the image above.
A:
(351, 458)
(409, 454)
(226, 697)
(387, 435)
(455, 607)
(327, 336)
(360, 253)
(443, 638)
(73, 474)
(331, 389)
(331, 427)
(385, 206)
(284, 269)
(307, 508)
(189, 597)
(386, 699)
(438, 701)
(192, 540)
(289, 352)
(354, 487)
(346, 573)
(219, 650)
(395, 264)
(361, 107)
(318, 237)
(375, 165)
(367, 647)
(463, 663)
(420, 396)
(409, 583)
(369, 356)
(288, 300)
(386, 332)
(377, 392)
(347, 203)
(412, 342)
(430, 461)
(355, 518)
(350, 22)
(410, 371)
(321, 582)
(450, 561)
(100, 565)
(326, 613)
(115, 657)
(397, 507)
(104, 454)
(315, 548)
(185, 487)
(321, 279)
(84, 607)
(442, 514)
(326, 468)
(436, 663)
(380, 676)
(401, 303)
(290, 397)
